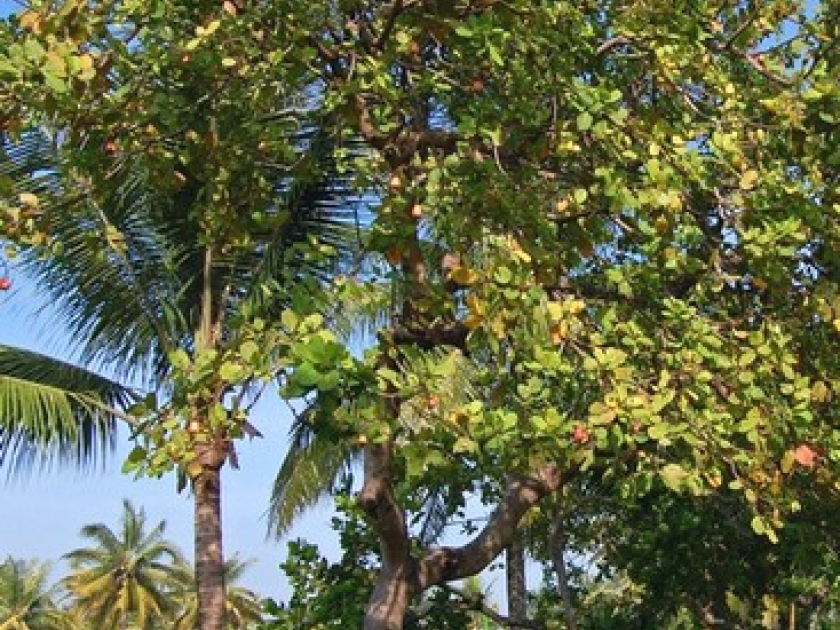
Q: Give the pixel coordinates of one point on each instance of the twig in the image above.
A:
(613, 42)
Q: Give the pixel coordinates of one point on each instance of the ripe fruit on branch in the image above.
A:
(476, 86)
(395, 183)
(5, 283)
(416, 211)
(580, 434)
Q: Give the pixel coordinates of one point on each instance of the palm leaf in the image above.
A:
(312, 468)
(54, 412)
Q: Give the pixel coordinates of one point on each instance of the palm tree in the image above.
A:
(27, 602)
(123, 578)
(243, 606)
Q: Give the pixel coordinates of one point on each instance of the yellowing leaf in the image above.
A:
(85, 62)
(473, 321)
(30, 21)
(475, 304)
(576, 306)
(559, 332)
(820, 392)
(748, 179)
(787, 462)
(28, 199)
(463, 276)
(555, 310)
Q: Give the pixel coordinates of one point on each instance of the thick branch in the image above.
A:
(394, 584)
(445, 564)
(401, 145)
(449, 334)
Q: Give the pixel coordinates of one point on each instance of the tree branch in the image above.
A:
(443, 334)
(613, 42)
(444, 564)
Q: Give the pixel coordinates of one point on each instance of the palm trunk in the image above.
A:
(209, 559)
(211, 454)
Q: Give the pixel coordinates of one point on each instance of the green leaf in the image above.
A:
(584, 121)
(306, 375)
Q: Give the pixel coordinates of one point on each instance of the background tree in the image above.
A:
(54, 412)
(125, 578)
(50, 411)
(27, 601)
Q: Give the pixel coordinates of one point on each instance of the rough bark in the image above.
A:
(517, 589)
(209, 558)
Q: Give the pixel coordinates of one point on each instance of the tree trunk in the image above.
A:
(517, 590)
(558, 558)
(390, 599)
(394, 587)
(209, 559)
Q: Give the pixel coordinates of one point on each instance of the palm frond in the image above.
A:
(313, 466)
(54, 412)
(436, 514)
(314, 202)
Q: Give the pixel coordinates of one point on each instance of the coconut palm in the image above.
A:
(243, 606)
(27, 601)
(123, 578)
